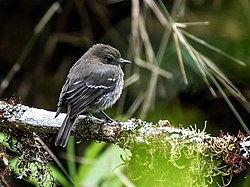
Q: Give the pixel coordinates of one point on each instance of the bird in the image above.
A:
(94, 83)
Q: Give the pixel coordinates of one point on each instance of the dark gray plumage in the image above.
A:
(94, 83)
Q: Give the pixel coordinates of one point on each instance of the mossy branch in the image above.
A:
(147, 142)
(87, 127)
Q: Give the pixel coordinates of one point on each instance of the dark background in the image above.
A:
(80, 24)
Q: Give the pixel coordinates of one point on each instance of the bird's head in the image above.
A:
(107, 54)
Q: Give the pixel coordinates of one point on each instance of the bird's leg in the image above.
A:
(106, 116)
(88, 114)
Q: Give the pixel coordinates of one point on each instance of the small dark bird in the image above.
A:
(94, 83)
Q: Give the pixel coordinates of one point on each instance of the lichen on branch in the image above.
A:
(161, 153)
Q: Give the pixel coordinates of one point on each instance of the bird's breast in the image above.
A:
(110, 98)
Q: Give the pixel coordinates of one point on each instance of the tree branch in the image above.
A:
(86, 127)
(40, 120)
(137, 135)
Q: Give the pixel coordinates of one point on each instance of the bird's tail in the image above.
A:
(64, 131)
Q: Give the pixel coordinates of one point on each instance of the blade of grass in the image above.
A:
(223, 78)
(158, 13)
(151, 89)
(202, 67)
(206, 67)
(181, 64)
(163, 45)
(229, 103)
(91, 152)
(213, 48)
(153, 68)
(123, 178)
(53, 156)
(187, 24)
(101, 173)
(71, 164)
(196, 57)
(135, 105)
(202, 62)
(59, 177)
(146, 41)
(135, 12)
(131, 80)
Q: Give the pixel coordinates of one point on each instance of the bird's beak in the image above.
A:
(123, 61)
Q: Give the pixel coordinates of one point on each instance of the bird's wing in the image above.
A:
(81, 93)
(62, 101)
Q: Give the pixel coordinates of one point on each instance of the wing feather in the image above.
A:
(81, 93)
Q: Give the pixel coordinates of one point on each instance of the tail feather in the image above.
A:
(64, 131)
(58, 111)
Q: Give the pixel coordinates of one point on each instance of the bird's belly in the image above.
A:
(110, 98)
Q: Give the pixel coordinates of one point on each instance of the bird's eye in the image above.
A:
(110, 58)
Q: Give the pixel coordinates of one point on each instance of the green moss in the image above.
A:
(31, 160)
(172, 159)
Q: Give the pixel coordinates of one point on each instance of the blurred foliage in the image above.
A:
(76, 25)
(100, 165)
